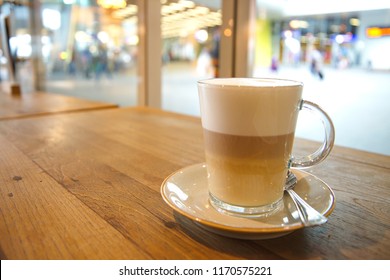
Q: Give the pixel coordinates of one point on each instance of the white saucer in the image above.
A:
(186, 192)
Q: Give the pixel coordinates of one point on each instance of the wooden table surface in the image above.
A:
(42, 103)
(87, 186)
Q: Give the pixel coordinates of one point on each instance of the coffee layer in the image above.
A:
(246, 170)
(235, 146)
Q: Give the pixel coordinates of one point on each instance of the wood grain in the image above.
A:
(42, 220)
(109, 165)
(41, 103)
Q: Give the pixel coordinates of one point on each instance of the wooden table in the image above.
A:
(42, 103)
(87, 186)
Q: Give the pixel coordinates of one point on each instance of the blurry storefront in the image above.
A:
(346, 35)
(91, 48)
(96, 48)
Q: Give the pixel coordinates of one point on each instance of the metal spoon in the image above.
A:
(308, 215)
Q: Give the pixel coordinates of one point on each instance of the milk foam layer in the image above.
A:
(249, 107)
(250, 82)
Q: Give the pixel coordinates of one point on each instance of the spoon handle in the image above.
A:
(309, 216)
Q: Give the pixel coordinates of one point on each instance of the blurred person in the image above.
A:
(72, 64)
(86, 62)
(274, 64)
(316, 63)
(215, 51)
(204, 65)
(3, 60)
(101, 63)
(292, 48)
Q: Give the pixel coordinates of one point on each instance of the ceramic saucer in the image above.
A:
(186, 192)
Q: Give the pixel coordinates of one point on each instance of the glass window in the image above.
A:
(15, 45)
(89, 49)
(341, 54)
(190, 34)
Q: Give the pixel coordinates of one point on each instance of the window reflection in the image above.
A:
(15, 44)
(91, 50)
(340, 52)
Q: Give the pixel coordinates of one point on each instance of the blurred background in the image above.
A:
(92, 49)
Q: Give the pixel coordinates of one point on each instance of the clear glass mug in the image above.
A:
(248, 127)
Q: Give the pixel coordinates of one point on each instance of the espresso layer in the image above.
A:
(247, 170)
(248, 146)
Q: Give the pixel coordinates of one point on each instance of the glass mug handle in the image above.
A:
(327, 145)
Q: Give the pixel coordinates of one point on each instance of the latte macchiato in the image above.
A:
(248, 127)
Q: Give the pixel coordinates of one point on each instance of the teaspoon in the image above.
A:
(308, 215)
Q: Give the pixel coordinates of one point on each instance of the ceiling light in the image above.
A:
(354, 22)
(187, 4)
(201, 36)
(112, 4)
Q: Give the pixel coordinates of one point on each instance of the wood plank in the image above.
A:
(359, 227)
(135, 209)
(41, 104)
(114, 162)
(305, 146)
(42, 220)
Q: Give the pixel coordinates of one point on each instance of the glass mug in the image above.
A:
(248, 128)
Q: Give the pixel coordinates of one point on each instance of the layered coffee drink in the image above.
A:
(248, 127)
